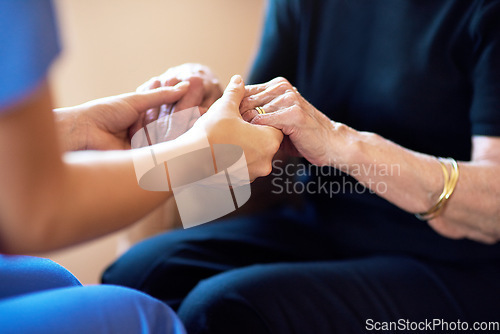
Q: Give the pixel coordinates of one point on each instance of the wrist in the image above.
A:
(71, 129)
(348, 147)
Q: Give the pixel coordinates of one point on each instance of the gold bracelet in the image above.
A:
(450, 182)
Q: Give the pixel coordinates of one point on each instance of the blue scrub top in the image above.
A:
(28, 45)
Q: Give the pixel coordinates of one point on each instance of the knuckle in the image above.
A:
(281, 80)
(289, 98)
(195, 81)
(283, 86)
(274, 147)
(155, 81)
(249, 117)
(276, 80)
(254, 119)
(245, 103)
(285, 83)
(297, 112)
(231, 90)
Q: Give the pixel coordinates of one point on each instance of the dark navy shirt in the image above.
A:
(422, 73)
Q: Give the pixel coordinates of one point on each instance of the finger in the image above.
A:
(234, 92)
(141, 121)
(212, 95)
(166, 110)
(137, 125)
(180, 120)
(156, 97)
(249, 115)
(202, 110)
(170, 81)
(150, 84)
(257, 88)
(280, 89)
(193, 97)
(285, 120)
(151, 114)
(280, 102)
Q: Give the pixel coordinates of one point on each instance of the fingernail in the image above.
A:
(236, 79)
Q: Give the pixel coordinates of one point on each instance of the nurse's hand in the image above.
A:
(104, 124)
(223, 124)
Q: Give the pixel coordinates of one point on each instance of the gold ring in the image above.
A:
(260, 110)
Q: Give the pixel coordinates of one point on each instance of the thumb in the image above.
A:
(234, 93)
(156, 97)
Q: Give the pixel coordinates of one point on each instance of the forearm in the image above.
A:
(476, 200)
(93, 194)
(408, 179)
(83, 196)
(414, 182)
(110, 197)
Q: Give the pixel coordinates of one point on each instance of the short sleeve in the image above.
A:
(28, 46)
(485, 108)
(278, 47)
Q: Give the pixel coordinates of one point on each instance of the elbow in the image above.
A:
(26, 236)
(29, 229)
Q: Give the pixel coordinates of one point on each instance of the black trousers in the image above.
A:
(274, 274)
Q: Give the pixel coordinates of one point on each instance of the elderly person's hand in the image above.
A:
(308, 131)
(417, 187)
(204, 90)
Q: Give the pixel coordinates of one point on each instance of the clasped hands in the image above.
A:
(227, 117)
(290, 121)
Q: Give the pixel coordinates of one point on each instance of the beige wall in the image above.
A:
(112, 46)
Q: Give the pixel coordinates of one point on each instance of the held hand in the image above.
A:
(223, 124)
(204, 90)
(103, 124)
(205, 87)
(308, 132)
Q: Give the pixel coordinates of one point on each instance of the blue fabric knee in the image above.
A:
(90, 309)
(26, 274)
